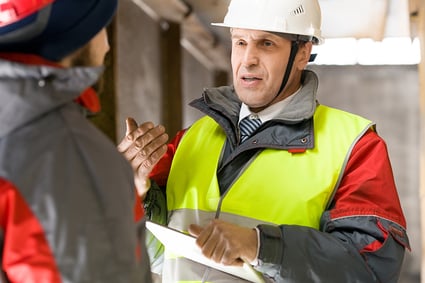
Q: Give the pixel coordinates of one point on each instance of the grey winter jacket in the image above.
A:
(72, 179)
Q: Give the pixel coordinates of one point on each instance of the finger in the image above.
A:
(131, 153)
(151, 148)
(230, 258)
(209, 239)
(144, 164)
(151, 139)
(131, 125)
(146, 152)
(218, 253)
(203, 237)
(235, 262)
(195, 230)
(140, 131)
(133, 133)
(209, 246)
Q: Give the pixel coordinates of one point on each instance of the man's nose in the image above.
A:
(250, 56)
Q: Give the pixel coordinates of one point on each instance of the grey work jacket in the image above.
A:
(77, 185)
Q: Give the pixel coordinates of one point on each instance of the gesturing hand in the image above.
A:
(143, 146)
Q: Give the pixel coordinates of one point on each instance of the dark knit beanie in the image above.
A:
(52, 30)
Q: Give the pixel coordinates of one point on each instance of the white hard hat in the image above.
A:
(297, 17)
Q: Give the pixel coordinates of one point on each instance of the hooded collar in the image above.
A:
(31, 86)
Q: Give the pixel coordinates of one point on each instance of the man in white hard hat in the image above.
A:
(301, 191)
(68, 208)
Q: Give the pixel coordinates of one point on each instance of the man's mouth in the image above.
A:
(250, 79)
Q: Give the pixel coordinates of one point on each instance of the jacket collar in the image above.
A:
(223, 105)
(88, 98)
(31, 86)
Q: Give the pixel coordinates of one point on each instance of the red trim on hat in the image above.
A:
(15, 10)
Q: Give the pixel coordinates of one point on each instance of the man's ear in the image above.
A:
(303, 56)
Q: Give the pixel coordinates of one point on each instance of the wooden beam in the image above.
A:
(421, 34)
(203, 45)
(171, 77)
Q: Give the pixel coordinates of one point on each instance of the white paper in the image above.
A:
(185, 245)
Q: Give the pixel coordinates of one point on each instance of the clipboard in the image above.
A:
(185, 245)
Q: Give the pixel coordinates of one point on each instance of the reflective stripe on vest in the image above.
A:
(277, 187)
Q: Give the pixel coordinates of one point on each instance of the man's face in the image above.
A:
(259, 61)
(99, 46)
(93, 53)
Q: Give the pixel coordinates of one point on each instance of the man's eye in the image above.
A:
(268, 43)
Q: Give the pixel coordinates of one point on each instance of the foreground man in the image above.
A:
(302, 191)
(68, 209)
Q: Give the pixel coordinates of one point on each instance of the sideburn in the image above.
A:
(83, 58)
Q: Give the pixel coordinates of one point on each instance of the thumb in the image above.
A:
(195, 230)
(131, 125)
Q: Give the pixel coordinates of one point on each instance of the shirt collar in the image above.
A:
(268, 113)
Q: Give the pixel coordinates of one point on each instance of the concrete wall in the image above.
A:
(389, 96)
(138, 70)
(195, 78)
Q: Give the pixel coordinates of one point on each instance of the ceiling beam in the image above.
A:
(414, 18)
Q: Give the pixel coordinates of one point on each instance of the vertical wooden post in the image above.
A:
(170, 77)
(421, 33)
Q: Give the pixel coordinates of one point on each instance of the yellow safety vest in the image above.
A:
(278, 187)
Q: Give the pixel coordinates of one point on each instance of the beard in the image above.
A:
(84, 58)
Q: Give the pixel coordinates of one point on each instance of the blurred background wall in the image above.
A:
(164, 52)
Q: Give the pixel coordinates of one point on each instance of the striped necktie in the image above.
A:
(248, 125)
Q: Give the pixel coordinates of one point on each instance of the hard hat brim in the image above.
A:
(292, 36)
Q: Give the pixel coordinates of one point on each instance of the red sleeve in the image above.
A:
(368, 186)
(139, 213)
(160, 172)
(26, 254)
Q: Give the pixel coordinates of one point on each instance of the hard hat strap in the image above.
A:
(293, 53)
(294, 50)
